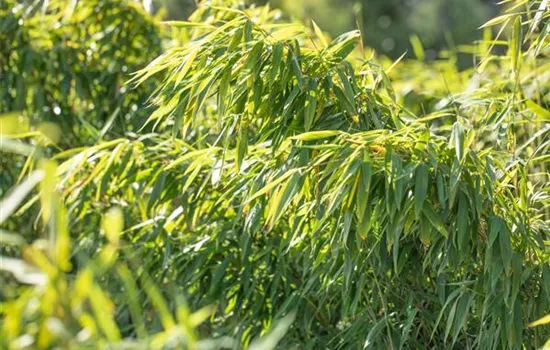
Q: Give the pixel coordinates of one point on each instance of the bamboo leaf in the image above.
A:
(272, 185)
(435, 220)
(316, 135)
(184, 24)
(421, 188)
(497, 20)
(458, 136)
(320, 34)
(16, 195)
(515, 44)
(540, 321)
(342, 46)
(537, 109)
(418, 48)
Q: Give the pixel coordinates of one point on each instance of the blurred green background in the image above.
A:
(386, 24)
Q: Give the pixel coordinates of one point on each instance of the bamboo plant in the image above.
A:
(286, 186)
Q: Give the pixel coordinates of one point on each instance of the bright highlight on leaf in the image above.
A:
(112, 224)
(541, 321)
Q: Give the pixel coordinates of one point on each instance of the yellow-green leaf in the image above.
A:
(540, 321)
(112, 224)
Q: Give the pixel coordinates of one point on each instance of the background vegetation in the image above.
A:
(442, 25)
(236, 180)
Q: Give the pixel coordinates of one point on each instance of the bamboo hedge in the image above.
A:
(261, 185)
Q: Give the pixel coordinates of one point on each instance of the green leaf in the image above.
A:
(112, 224)
(287, 32)
(537, 109)
(463, 222)
(275, 334)
(10, 202)
(458, 137)
(272, 184)
(319, 34)
(515, 44)
(496, 226)
(497, 20)
(342, 46)
(186, 66)
(282, 199)
(463, 308)
(316, 135)
(422, 178)
(184, 24)
(451, 317)
(505, 246)
(254, 56)
(418, 48)
(157, 190)
(373, 333)
(435, 220)
(242, 145)
(540, 321)
(311, 105)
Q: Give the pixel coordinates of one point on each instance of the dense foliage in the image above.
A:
(297, 191)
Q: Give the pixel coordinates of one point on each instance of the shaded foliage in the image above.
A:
(67, 63)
